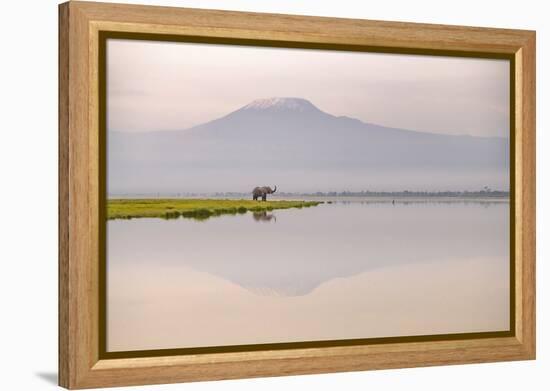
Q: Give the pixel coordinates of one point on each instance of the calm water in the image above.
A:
(335, 271)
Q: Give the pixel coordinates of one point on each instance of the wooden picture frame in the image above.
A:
(82, 160)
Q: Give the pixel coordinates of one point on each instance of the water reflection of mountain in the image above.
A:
(309, 247)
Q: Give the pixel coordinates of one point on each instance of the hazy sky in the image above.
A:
(161, 86)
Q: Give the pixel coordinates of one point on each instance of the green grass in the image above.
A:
(199, 209)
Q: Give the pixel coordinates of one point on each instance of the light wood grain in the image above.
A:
(80, 24)
(526, 186)
(64, 353)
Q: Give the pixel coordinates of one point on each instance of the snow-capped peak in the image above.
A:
(293, 104)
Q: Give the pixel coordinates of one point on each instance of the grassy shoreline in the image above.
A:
(199, 209)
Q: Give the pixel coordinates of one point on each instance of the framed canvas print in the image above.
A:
(248, 195)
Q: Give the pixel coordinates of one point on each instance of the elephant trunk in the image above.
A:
(274, 189)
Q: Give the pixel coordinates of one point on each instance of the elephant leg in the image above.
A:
(264, 198)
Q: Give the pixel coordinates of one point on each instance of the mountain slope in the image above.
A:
(291, 142)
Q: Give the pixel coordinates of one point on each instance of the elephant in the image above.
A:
(262, 192)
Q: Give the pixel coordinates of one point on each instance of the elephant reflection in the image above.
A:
(264, 216)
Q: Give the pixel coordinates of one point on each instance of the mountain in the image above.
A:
(292, 143)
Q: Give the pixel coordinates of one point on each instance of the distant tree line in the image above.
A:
(406, 193)
(485, 192)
